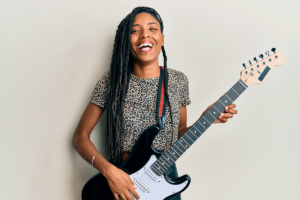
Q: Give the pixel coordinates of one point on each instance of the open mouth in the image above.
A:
(145, 47)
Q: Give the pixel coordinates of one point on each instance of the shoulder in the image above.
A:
(105, 75)
(176, 75)
(103, 79)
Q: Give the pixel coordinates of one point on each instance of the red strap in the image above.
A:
(162, 95)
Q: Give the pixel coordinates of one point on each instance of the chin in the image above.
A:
(147, 59)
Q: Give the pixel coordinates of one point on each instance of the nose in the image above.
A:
(144, 34)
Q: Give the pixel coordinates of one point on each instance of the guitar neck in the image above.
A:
(164, 162)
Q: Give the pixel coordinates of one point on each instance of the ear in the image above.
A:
(163, 40)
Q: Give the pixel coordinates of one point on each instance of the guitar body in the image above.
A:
(136, 165)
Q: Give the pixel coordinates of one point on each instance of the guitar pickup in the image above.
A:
(141, 185)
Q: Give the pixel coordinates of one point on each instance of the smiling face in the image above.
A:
(146, 39)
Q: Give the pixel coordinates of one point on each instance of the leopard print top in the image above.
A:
(140, 107)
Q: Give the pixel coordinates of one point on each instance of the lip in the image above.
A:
(145, 51)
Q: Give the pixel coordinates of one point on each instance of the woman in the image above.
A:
(129, 94)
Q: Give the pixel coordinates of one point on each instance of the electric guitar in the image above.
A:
(147, 168)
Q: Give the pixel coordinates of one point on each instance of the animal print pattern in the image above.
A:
(140, 107)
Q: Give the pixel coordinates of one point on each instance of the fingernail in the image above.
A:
(134, 187)
(226, 108)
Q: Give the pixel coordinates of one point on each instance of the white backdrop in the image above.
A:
(53, 53)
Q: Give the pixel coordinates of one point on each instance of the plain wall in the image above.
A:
(53, 53)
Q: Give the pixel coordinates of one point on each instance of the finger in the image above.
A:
(227, 115)
(231, 106)
(221, 115)
(116, 196)
(233, 111)
(223, 120)
(125, 198)
(217, 121)
(134, 193)
(128, 196)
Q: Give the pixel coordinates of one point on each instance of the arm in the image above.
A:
(81, 138)
(119, 182)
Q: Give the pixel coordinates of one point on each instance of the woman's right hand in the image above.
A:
(120, 183)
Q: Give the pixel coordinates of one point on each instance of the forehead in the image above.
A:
(144, 18)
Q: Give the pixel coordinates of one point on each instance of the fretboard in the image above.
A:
(167, 159)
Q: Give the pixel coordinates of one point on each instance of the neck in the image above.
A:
(146, 70)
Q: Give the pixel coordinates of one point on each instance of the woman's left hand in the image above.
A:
(223, 117)
(228, 113)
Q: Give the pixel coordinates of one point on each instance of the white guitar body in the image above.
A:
(153, 187)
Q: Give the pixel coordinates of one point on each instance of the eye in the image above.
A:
(153, 29)
(133, 31)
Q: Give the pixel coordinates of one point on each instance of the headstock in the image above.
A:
(257, 72)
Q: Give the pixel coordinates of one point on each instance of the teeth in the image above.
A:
(145, 44)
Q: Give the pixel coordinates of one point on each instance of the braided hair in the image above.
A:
(120, 74)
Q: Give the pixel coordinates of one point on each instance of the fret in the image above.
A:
(201, 125)
(175, 151)
(193, 133)
(160, 169)
(182, 145)
(235, 91)
(154, 169)
(213, 111)
(167, 159)
(185, 141)
(157, 169)
(189, 138)
(233, 94)
(200, 129)
(210, 114)
(220, 107)
(177, 148)
(204, 123)
(221, 102)
(162, 164)
(228, 98)
(216, 109)
(226, 101)
(158, 166)
(171, 155)
(209, 117)
(243, 84)
(206, 120)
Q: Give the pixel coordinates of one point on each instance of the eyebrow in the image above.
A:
(148, 23)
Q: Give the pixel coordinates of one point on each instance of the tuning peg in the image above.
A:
(261, 56)
(255, 59)
(267, 53)
(273, 50)
(250, 62)
(244, 65)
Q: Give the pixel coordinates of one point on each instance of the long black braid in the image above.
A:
(120, 74)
